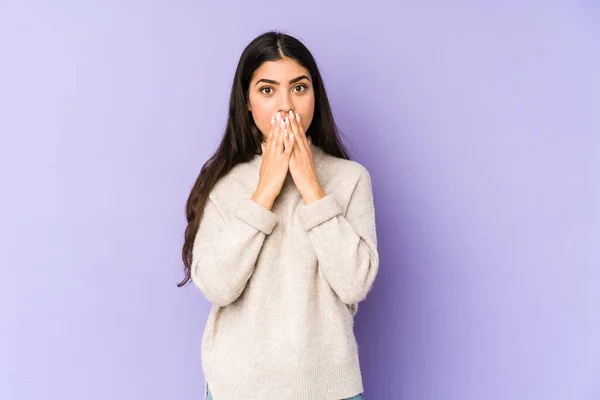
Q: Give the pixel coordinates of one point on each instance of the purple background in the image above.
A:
(480, 126)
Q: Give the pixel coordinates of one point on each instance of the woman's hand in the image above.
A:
(302, 167)
(275, 163)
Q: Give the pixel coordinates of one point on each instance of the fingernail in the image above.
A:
(273, 121)
(282, 124)
(287, 122)
(278, 117)
(291, 115)
(298, 117)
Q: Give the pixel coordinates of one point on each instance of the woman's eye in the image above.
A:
(269, 90)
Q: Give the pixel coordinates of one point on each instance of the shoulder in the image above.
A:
(237, 183)
(349, 181)
(338, 171)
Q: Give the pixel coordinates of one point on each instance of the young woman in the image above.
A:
(281, 237)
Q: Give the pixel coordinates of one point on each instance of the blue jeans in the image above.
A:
(357, 397)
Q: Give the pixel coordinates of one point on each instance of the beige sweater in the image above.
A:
(285, 284)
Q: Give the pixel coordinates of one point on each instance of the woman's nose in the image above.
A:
(285, 112)
(285, 104)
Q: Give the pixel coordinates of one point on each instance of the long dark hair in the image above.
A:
(242, 138)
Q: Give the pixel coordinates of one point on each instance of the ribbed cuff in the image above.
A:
(256, 215)
(319, 211)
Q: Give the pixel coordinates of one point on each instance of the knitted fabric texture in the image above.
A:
(285, 283)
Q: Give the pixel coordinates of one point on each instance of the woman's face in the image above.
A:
(280, 86)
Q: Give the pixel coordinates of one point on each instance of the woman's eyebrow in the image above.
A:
(277, 83)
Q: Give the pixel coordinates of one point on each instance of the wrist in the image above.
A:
(313, 195)
(263, 198)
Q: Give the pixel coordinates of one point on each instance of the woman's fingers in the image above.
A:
(290, 128)
(298, 130)
(270, 133)
(283, 135)
(276, 127)
(288, 142)
(273, 128)
(280, 133)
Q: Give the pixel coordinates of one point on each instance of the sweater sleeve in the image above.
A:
(345, 245)
(226, 249)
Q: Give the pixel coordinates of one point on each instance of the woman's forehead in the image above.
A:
(282, 70)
